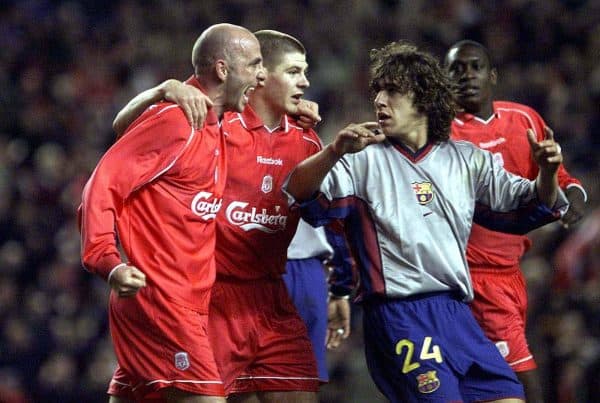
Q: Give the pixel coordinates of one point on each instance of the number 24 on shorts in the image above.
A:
(428, 352)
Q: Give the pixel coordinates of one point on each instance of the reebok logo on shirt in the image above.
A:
(269, 161)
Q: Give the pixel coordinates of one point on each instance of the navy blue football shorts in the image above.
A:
(429, 348)
(306, 283)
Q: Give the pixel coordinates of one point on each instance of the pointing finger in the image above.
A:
(548, 133)
(531, 137)
(189, 114)
(370, 125)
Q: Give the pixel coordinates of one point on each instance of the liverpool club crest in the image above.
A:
(182, 362)
(267, 184)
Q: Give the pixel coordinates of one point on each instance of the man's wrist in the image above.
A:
(167, 87)
(114, 269)
(335, 152)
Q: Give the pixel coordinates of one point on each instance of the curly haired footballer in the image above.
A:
(401, 67)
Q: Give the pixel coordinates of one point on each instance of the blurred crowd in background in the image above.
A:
(67, 67)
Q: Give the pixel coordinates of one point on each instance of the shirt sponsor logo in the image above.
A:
(269, 161)
(206, 206)
(182, 361)
(250, 218)
(423, 191)
(428, 382)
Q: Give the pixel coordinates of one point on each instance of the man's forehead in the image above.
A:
(293, 59)
(467, 52)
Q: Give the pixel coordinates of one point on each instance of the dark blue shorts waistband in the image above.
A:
(377, 299)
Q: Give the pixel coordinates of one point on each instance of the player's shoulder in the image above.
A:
(307, 136)
(514, 107)
(463, 147)
(166, 117)
(376, 152)
(310, 136)
(457, 144)
(233, 123)
(165, 113)
(467, 154)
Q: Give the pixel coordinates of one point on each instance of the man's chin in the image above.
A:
(292, 110)
(470, 101)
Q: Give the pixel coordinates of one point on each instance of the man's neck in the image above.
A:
(414, 139)
(485, 111)
(269, 117)
(216, 95)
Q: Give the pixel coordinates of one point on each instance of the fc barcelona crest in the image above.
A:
(423, 191)
(428, 382)
(267, 184)
(182, 362)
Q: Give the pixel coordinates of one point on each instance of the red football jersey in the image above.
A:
(255, 225)
(159, 188)
(504, 134)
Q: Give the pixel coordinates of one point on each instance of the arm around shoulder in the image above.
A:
(192, 101)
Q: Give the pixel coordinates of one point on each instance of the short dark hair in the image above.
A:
(474, 44)
(407, 70)
(274, 44)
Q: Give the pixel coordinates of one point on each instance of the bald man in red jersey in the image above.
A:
(158, 190)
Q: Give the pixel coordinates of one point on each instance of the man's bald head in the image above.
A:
(219, 41)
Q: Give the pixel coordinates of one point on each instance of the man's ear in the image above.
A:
(494, 76)
(221, 69)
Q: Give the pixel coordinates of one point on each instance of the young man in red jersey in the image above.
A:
(158, 190)
(500, 303)
(261, 344)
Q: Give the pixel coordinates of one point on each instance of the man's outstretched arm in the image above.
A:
(308, 175)
(194, 103)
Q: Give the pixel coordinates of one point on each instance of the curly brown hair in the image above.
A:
(407, 70)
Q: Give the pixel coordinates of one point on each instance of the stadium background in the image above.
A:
(67, 67)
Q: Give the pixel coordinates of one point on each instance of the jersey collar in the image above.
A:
(464, 117)
(251, 121)
(408, 153)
